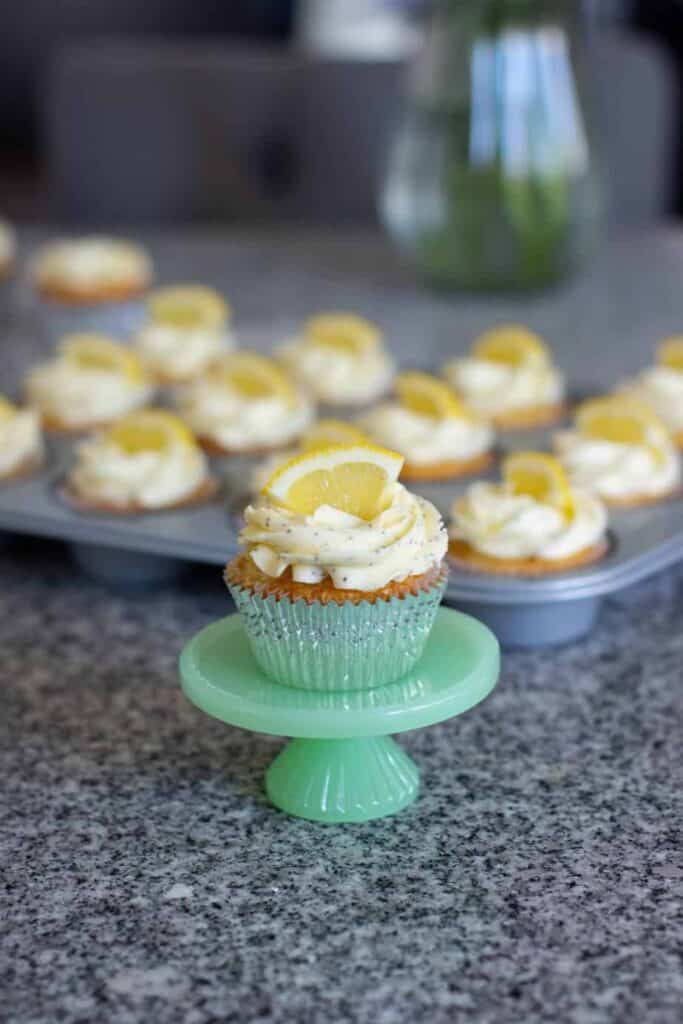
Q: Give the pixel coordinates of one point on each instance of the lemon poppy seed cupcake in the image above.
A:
(532, 524)
(509, 378)
(341, 359)
(147, 461)
(661, 386)
(187, 328)
(342, 571)
(21, 441)
(245, 404)
(91, 382)
(438, 438)
(620, 450)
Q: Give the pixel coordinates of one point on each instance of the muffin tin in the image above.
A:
(136, 550)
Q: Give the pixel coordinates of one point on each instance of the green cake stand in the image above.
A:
(341, 764)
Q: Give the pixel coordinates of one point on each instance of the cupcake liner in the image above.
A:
(327, 647)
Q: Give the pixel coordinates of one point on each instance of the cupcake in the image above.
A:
(533, 523)
(509, 378)
(437, 436)
(21, 441)
(90, 283)
(91, 382)
(323, 434)
(8, 249)
(187, 329)
(621, 451)
(340, 359)
(342, 571)
(245, 404)
(145, 462)
(661, 386)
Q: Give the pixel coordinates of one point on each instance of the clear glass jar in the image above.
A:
(490, 181)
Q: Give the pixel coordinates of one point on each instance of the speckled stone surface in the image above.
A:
(144, 879)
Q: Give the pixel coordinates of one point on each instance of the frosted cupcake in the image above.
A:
(342, 572)
(340, 359)
(661, 386)
(509, 378)
(532, 524)
(245, 404)
(438, 438)
(91, 382)
(323, 434)
(91, 283)
(145, 462)
(21, 441)
(621, 451)
(187, 329)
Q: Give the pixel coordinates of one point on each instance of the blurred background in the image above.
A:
(115, 112)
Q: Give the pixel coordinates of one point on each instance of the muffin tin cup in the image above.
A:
(128, 570)
(118, 320)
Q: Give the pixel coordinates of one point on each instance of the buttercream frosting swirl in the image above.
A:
(21, 441)
(237, 422)
(337, 377)
(91, 263)
(78, 396)
(179, 353)
(491, 388)
(407, 538)
(662, 388)
(496, 522)
(104, 473)
(615, 470)
(425, 440)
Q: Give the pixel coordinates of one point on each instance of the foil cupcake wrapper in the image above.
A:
(328, 647)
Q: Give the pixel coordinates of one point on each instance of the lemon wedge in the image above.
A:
(7, 410)
(623, 421)
(189, 307)
(670, 353)
(352, 478)
(344, 332)
(429, 396)
(326, 433)
(253, 376)
(511, 345)
(96, 352)
(540, 476)
(151, 430)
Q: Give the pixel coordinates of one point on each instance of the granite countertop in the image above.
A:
(143, 876)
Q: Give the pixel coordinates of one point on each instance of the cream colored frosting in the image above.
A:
(423, 440)
(619, 470)
(8, 245)
(181, 354)
(337, 377)
(77, 397)
(662, 388)
(496, 522)
(106, 473)
(218, 413)
(491, 388)
(408, 538)
(21, 440)
(91, 263)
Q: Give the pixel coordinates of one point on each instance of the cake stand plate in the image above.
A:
(341, 764)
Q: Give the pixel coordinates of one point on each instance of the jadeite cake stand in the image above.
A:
(341, 764)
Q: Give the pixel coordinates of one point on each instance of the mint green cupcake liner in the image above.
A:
(329, 647)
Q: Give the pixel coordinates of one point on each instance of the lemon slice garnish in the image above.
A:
(352, 478)
(189, 307)
(97, 352)
(511, 345)
(541, 477)
(253, 376)
(670, 353)
(329, 432)
(429, 396)
(342, 331)
(7, 410)
(623, 421)
(151, 430)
